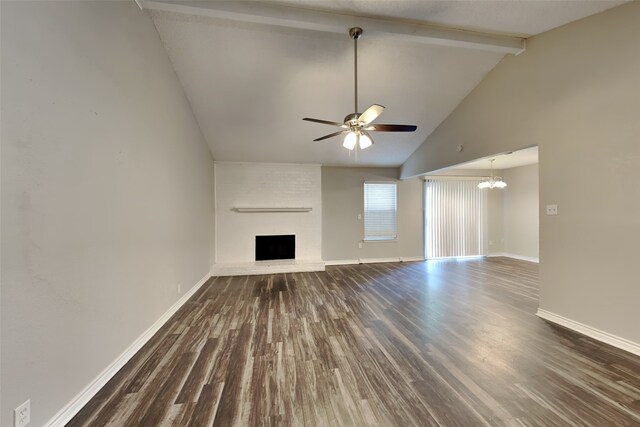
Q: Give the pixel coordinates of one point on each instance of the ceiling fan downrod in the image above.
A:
(355, 34)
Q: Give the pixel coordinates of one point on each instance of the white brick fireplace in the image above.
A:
(255, 199)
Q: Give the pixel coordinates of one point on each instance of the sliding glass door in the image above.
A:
(455, 223)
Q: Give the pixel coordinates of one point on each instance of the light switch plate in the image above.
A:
(552, 209)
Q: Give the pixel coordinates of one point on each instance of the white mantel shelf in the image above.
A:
(281, 209)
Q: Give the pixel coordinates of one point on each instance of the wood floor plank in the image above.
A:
(438, 343)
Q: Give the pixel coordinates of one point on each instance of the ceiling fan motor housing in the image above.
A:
(351, 119)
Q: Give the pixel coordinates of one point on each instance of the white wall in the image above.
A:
(521, 213)
(513, 214)
(343, 201)
(107, 194)
(266, 185)
(575, 94)
(495, 221)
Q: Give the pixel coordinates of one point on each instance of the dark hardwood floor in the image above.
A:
(440, 343)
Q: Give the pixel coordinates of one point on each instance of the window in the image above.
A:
(380, 212)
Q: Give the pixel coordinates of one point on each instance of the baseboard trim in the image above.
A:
(596, 334)
(378, 260)
(514, 256)
(77, 403)
(412, 259)
(342, 262)
(372, 260)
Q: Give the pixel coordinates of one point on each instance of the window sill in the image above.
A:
(382, 240)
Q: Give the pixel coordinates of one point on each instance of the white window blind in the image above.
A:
(455, 220)
(380, 211)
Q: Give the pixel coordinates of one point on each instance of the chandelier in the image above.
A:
(493, 181)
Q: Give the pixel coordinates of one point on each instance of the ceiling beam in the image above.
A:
(291, 17)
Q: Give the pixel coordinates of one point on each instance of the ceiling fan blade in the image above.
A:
(331, 135)
(325, 122)
(392, 128)
(370, 114)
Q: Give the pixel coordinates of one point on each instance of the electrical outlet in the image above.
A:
(360, 245)
(179, 288)
(359, 216)
(22, 414)
(552, 209)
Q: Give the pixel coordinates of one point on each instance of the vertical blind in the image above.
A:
(380, 212)
(455, 223)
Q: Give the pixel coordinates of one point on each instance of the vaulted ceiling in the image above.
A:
(251, 83)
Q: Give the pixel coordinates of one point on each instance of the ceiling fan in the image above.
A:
(358, 125)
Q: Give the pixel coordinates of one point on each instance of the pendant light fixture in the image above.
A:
(493, 181)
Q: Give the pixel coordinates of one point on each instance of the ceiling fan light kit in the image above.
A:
(356, 125)
(360, 139)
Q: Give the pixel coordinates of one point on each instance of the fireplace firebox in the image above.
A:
(281, 246)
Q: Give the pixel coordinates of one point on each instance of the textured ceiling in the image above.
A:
(516, 17)
(250, 85)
